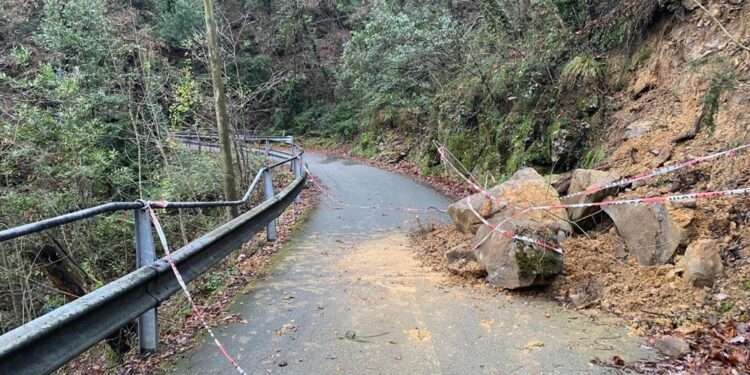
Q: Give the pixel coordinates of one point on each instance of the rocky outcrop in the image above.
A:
(648, 231)
(701, 263)
(583, 179)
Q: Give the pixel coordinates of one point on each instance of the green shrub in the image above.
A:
(75, 29)
(722, 81)
(400, 55)
(584, 70)
(593, 156)
(179, 20)
(725, 307)
(21, 54)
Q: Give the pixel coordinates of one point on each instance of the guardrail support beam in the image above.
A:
(268, 184)
(148, 336)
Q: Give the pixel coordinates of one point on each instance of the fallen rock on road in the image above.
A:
(510, 263)
(513, 264)
(525, 188)
(649, 233)
(583, 179)
(701, 263)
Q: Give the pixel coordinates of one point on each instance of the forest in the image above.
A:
(91, 91)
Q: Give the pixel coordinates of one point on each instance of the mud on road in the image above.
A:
(349, 297)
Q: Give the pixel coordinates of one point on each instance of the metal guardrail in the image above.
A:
(241, 137)
(48, 342)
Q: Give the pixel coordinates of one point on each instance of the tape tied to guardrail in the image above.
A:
(183, 285)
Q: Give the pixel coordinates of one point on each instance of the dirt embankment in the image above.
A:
(687, 95)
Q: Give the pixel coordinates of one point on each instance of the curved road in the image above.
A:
(349, 298)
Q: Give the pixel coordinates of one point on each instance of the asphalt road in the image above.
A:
(349, 298)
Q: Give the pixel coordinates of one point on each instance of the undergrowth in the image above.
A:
(722, 81)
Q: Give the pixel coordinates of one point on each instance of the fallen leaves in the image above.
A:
(533, 344)
(287, 327)
(718, 349)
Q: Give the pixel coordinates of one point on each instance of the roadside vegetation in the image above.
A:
(89, 94)
(91, 90)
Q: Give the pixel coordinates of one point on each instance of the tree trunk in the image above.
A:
(74, 282)
(222, 116)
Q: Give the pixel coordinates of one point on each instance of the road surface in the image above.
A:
(349, 298)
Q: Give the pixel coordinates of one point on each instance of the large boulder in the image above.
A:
(526, 187)
(701, 263)
(648, 231)
(512, 263)
(485, 204)
(583, 179)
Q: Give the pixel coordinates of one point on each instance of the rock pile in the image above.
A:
(650, 233)
(510, 263)
(582, 179)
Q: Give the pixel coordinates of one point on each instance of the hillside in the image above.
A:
(91, 90)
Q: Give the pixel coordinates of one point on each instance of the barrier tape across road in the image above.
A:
(661, 171)
(442, 151)
(340, 202)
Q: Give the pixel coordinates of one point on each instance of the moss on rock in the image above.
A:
(537, 263)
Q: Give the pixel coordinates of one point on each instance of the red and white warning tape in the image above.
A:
(198, 312)
(469, 180)
(661, 171)
(496, 228)
(648, 200)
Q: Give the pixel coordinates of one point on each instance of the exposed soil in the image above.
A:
(653, 300)
(669, 91)
(431, 243)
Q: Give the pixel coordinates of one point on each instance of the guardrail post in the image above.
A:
(148, 336)
(297, 173)
(292, 165)
(301, 168)
(268, 183)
